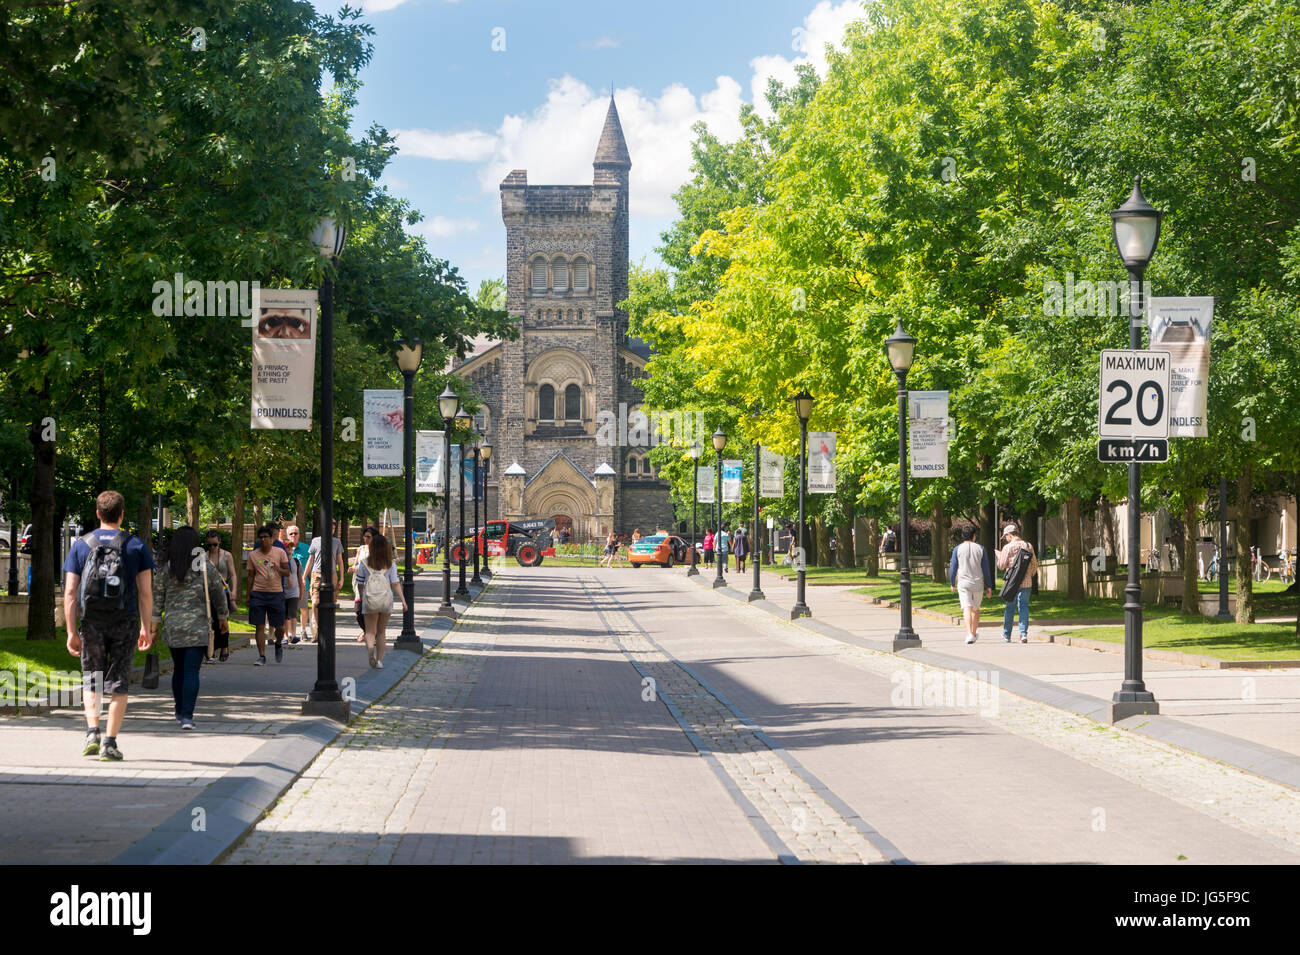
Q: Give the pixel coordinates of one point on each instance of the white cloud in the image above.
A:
(825, 24)
(468, 146)
(441, 227)
(605, 43)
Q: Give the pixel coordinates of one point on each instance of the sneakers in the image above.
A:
(225, 655)
(110, 753)
(261, 661)
(970, 638)
(294, 639)
(279, 651)
(379, 664)
(187, 724)
(1024, 638)
(208, 661)
(1006, 638)
(92, 746)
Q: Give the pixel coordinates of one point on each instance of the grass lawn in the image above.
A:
(825, 575)
(1044, 605)
(1209, 637)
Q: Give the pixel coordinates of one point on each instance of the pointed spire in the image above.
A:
(612, 150)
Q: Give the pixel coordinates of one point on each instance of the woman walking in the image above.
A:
(376, 582)
(367, 536)
(708, 547)
(611, 548)
(740, 544)
(185, 601)
(221, 559)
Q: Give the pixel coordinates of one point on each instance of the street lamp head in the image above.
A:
(485, 449)
(328, 237)
(1135, 227)
(409, 356)
(695, 451)
(803, 405)
(465, 425)
(900, 347)
(448, 404)
(719, 440)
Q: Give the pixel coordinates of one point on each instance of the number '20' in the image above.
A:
(1113, 417)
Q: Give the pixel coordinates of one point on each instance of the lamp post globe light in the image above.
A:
(900, 348)
(803, 406)
(448, 405)
(464, 432)
(1135, 227)
(695, 498)
(482, 454)
(719, 442)
(325, 698)
(409, 356)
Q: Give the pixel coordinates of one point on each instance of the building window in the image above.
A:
(546, 403)
(560, 274)
(573, 403)
(581, 278)
(481, 420)
(647, 468)
(633, 469)
(539, 277)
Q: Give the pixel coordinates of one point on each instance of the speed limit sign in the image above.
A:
(1134, 394)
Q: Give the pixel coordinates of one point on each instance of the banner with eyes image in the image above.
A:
(284, 358)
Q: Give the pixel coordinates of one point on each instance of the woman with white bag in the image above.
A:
(376, 581)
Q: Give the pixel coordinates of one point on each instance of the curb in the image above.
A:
(1254, 758)
(233, 804)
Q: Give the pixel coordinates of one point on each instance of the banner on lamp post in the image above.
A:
(384, 421)
(430, 471)
(731, 474)
(284, 358)
(772, 474)
(821, 462)
(704, 484)
(1181, 326)
(927, 428)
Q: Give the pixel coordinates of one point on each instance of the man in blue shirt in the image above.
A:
(107, 622)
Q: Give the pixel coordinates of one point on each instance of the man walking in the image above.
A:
(969, 574)
(312, 570)
(300, 549)
(109, 590)
(267, 567)
(1019, 563)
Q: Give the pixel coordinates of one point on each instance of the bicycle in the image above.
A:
(1153, 561)
(1259, 567)
(1286, 568)
(1213, 570)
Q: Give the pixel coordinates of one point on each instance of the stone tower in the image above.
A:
(573, 364)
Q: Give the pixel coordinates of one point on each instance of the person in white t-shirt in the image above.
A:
(969, 573)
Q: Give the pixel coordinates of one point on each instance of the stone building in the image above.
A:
(566, 272)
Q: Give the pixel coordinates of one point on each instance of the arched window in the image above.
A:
(581, 280)
(560, 274)
(546, 403)
(647, 468)
(539, 276)
(633, 469)
(573, 403)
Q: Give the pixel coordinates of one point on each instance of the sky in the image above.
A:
(475, 88)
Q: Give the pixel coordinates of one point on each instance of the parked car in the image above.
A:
(661, 549)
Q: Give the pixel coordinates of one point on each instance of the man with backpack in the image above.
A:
(108, 606)
(1019, 563)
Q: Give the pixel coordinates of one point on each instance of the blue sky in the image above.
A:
(475, 88)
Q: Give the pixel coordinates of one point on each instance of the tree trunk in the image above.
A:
(844, 547)
(823, 537)
(1031, 534)
(1073, 548)
(192, 499)
(989, 535)
(939, 524)
(1245, 585)
(300, 515)
(237, 525)
(1191, 595)
(873, 549)
(1106, 518)
(257, 515)
(40, 599)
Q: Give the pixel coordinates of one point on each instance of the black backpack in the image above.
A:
(1015, 575)
(103, 578)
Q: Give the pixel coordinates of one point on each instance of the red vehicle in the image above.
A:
(526, 541)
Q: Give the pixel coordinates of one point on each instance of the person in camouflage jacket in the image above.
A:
(180, 614)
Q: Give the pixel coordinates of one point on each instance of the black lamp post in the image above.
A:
(486, 455)
(1223, 613)
(1135, 227)
(695, 499)
(900, 347)
(756, 553)
(719, 442)
(409, 357)
(325, 699)
(803, 406)
(464, 428)
(448, 404)
(476, 579)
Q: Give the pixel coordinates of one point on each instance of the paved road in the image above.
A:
(579, 715)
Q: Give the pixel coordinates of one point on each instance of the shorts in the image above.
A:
(291, 606)
(108, 653)
(315, 590)
(970, 596)
(262, 605)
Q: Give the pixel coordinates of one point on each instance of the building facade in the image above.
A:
(573, 364)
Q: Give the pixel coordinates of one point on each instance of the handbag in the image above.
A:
(151, 670)
(207, 605)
